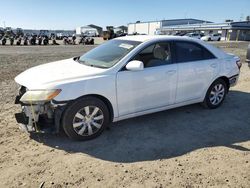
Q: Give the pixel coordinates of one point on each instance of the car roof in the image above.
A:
(144, 38)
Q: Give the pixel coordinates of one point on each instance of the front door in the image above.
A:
(153, 87)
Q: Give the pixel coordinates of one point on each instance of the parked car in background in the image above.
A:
(19, 32)
(193, 35)
(123, 78)
(44, 33)
(248, 55)
(180, 33)
(212, 37)
(59, 36)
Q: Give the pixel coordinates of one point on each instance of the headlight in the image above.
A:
(39, 95)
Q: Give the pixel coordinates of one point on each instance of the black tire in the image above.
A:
(207, 101)
(209, 39)
(218, 39)
(69, 116)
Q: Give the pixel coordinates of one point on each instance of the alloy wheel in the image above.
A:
(217, 94)
(88, 120)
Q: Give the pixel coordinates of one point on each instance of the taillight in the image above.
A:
(239, 64)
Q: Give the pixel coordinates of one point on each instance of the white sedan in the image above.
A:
(123, 78)
(193, 35)
(212, 37)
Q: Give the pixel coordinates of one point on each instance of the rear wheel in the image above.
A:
(218, 39)
(215, 94)
(85, 119)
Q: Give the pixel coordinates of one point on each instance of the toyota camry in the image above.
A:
(123, 78)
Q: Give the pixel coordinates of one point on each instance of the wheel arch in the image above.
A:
(103, 99)
(206, 102)
(225, 79)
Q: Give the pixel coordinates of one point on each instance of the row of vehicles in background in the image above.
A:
(202, 36)
(209, 37)
(57, 35)
(107, 34)
(8, 32)
(196, 35)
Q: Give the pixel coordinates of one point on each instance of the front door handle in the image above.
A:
(213, 65)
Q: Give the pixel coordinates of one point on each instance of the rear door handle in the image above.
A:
(171, 72)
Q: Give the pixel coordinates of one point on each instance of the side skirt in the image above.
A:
(157, 109)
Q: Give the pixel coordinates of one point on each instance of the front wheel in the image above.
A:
(85, 119)
(215, 94)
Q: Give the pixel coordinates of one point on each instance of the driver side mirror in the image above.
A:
(135, 65)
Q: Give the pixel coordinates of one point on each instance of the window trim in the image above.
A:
(195, 44)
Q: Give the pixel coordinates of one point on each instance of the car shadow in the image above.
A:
(167, 134)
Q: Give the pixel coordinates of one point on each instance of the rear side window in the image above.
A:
(188, 51)
(207, 54)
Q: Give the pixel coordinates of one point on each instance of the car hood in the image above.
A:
(51, 73)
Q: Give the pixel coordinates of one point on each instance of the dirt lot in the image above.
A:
(185, 147)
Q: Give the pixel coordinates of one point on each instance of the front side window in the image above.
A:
(155, 55)
(108, 54)
(188, 51)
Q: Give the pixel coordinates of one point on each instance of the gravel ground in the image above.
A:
(184, 147)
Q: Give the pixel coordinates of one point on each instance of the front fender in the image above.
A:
(103, 85)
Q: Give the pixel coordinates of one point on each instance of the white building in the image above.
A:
(147, 28)
(151, 27)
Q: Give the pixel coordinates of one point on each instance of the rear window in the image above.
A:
(188, 51)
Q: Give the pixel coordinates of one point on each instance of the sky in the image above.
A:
(62, 14)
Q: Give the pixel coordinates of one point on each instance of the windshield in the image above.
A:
(108, 54)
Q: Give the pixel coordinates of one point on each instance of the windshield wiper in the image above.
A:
(76, 58)
(88, 64)
(98, 66)
(91, 65)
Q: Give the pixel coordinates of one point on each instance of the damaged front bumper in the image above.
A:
(43, 117)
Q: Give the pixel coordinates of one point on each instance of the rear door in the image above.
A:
(196, 68)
